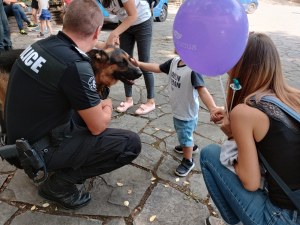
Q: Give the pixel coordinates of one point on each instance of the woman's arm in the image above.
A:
(246, 122)
(132, 15)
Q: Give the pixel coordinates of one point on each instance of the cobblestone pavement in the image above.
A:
(149, 183)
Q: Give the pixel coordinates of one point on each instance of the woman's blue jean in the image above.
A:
(142, 35)
(233, 201)
(5, 42)
(17, 11)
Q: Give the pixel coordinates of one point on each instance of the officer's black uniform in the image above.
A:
(52, 78)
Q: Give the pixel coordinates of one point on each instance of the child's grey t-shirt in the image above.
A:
(183, 94)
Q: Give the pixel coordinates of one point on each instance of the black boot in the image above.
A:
(63, 192)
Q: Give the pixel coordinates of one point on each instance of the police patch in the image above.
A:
(92, 84)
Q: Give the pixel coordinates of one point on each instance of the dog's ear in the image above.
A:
(98, 55)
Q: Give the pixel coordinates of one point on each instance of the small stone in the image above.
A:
(119, 184)
(152, 218)
(45, 205)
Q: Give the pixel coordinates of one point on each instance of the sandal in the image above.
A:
(124, 106)
(144, 109)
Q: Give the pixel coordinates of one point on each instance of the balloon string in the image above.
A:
(224, 96)
(232, 100)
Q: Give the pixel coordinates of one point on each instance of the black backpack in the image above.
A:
(294, 196)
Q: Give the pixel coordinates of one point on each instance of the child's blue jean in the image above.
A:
(233, 201)
(184, 130)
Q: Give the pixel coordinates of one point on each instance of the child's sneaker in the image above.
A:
(31, 24)
(178, 149)
(41, 35)
(214, 221)
(185, 167)
(23, 32)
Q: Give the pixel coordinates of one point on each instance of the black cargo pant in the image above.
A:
(77, 155)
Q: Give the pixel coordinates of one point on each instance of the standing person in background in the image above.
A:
(185, 87)
(34, 9)
(5, 42)
(136, 26)
(45, 17)
(256, 126)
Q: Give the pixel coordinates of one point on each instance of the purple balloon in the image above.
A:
(210, 35)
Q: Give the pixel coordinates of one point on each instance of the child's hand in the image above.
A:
(217, 114)
(135, 62)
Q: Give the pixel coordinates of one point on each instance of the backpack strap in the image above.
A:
(282, 106)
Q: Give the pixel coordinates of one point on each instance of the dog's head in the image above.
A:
(113, 64)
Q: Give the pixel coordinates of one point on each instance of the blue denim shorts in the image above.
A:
(45, 15)
(184, 130)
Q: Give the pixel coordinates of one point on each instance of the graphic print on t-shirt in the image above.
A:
(175, 81)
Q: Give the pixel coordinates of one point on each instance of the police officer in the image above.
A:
(50, 82)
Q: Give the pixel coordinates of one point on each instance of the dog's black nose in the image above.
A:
(139, 73)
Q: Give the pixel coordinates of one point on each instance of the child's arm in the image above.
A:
(215, 111)
(152, 67)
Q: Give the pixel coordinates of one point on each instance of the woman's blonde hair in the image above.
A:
(259, 72)
(83, 17)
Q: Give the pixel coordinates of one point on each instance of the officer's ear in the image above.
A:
(97, 33)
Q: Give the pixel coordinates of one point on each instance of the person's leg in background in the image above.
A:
(143, 37)
(43, 26)
(23, 15)
(5, 42)
(233, 201)
(34, 7)
(13, 10)
(127, 42)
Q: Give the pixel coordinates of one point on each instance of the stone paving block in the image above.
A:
(162, 134)
(37, 218)
(197, 186)
(210, 131)
(6, 211)
(22, 189)
(100, 204)
(108, 198)
(129, 122)
(2, 179)
(6, 167)
(116, 222)
(163, 123)
(171, 202)
(148, 158)
(147, 139)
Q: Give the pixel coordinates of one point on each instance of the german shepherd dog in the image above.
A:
(109, 65)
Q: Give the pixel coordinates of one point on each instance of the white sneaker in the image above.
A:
(214, 221)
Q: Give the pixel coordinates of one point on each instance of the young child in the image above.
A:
(185, 88)
(44, 16)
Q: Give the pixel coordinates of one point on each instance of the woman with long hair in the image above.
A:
(256, 126)
(135, 27)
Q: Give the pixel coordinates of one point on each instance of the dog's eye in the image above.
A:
(124, 63)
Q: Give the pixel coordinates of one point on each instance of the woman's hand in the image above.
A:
(113, 39)
(226, 127)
